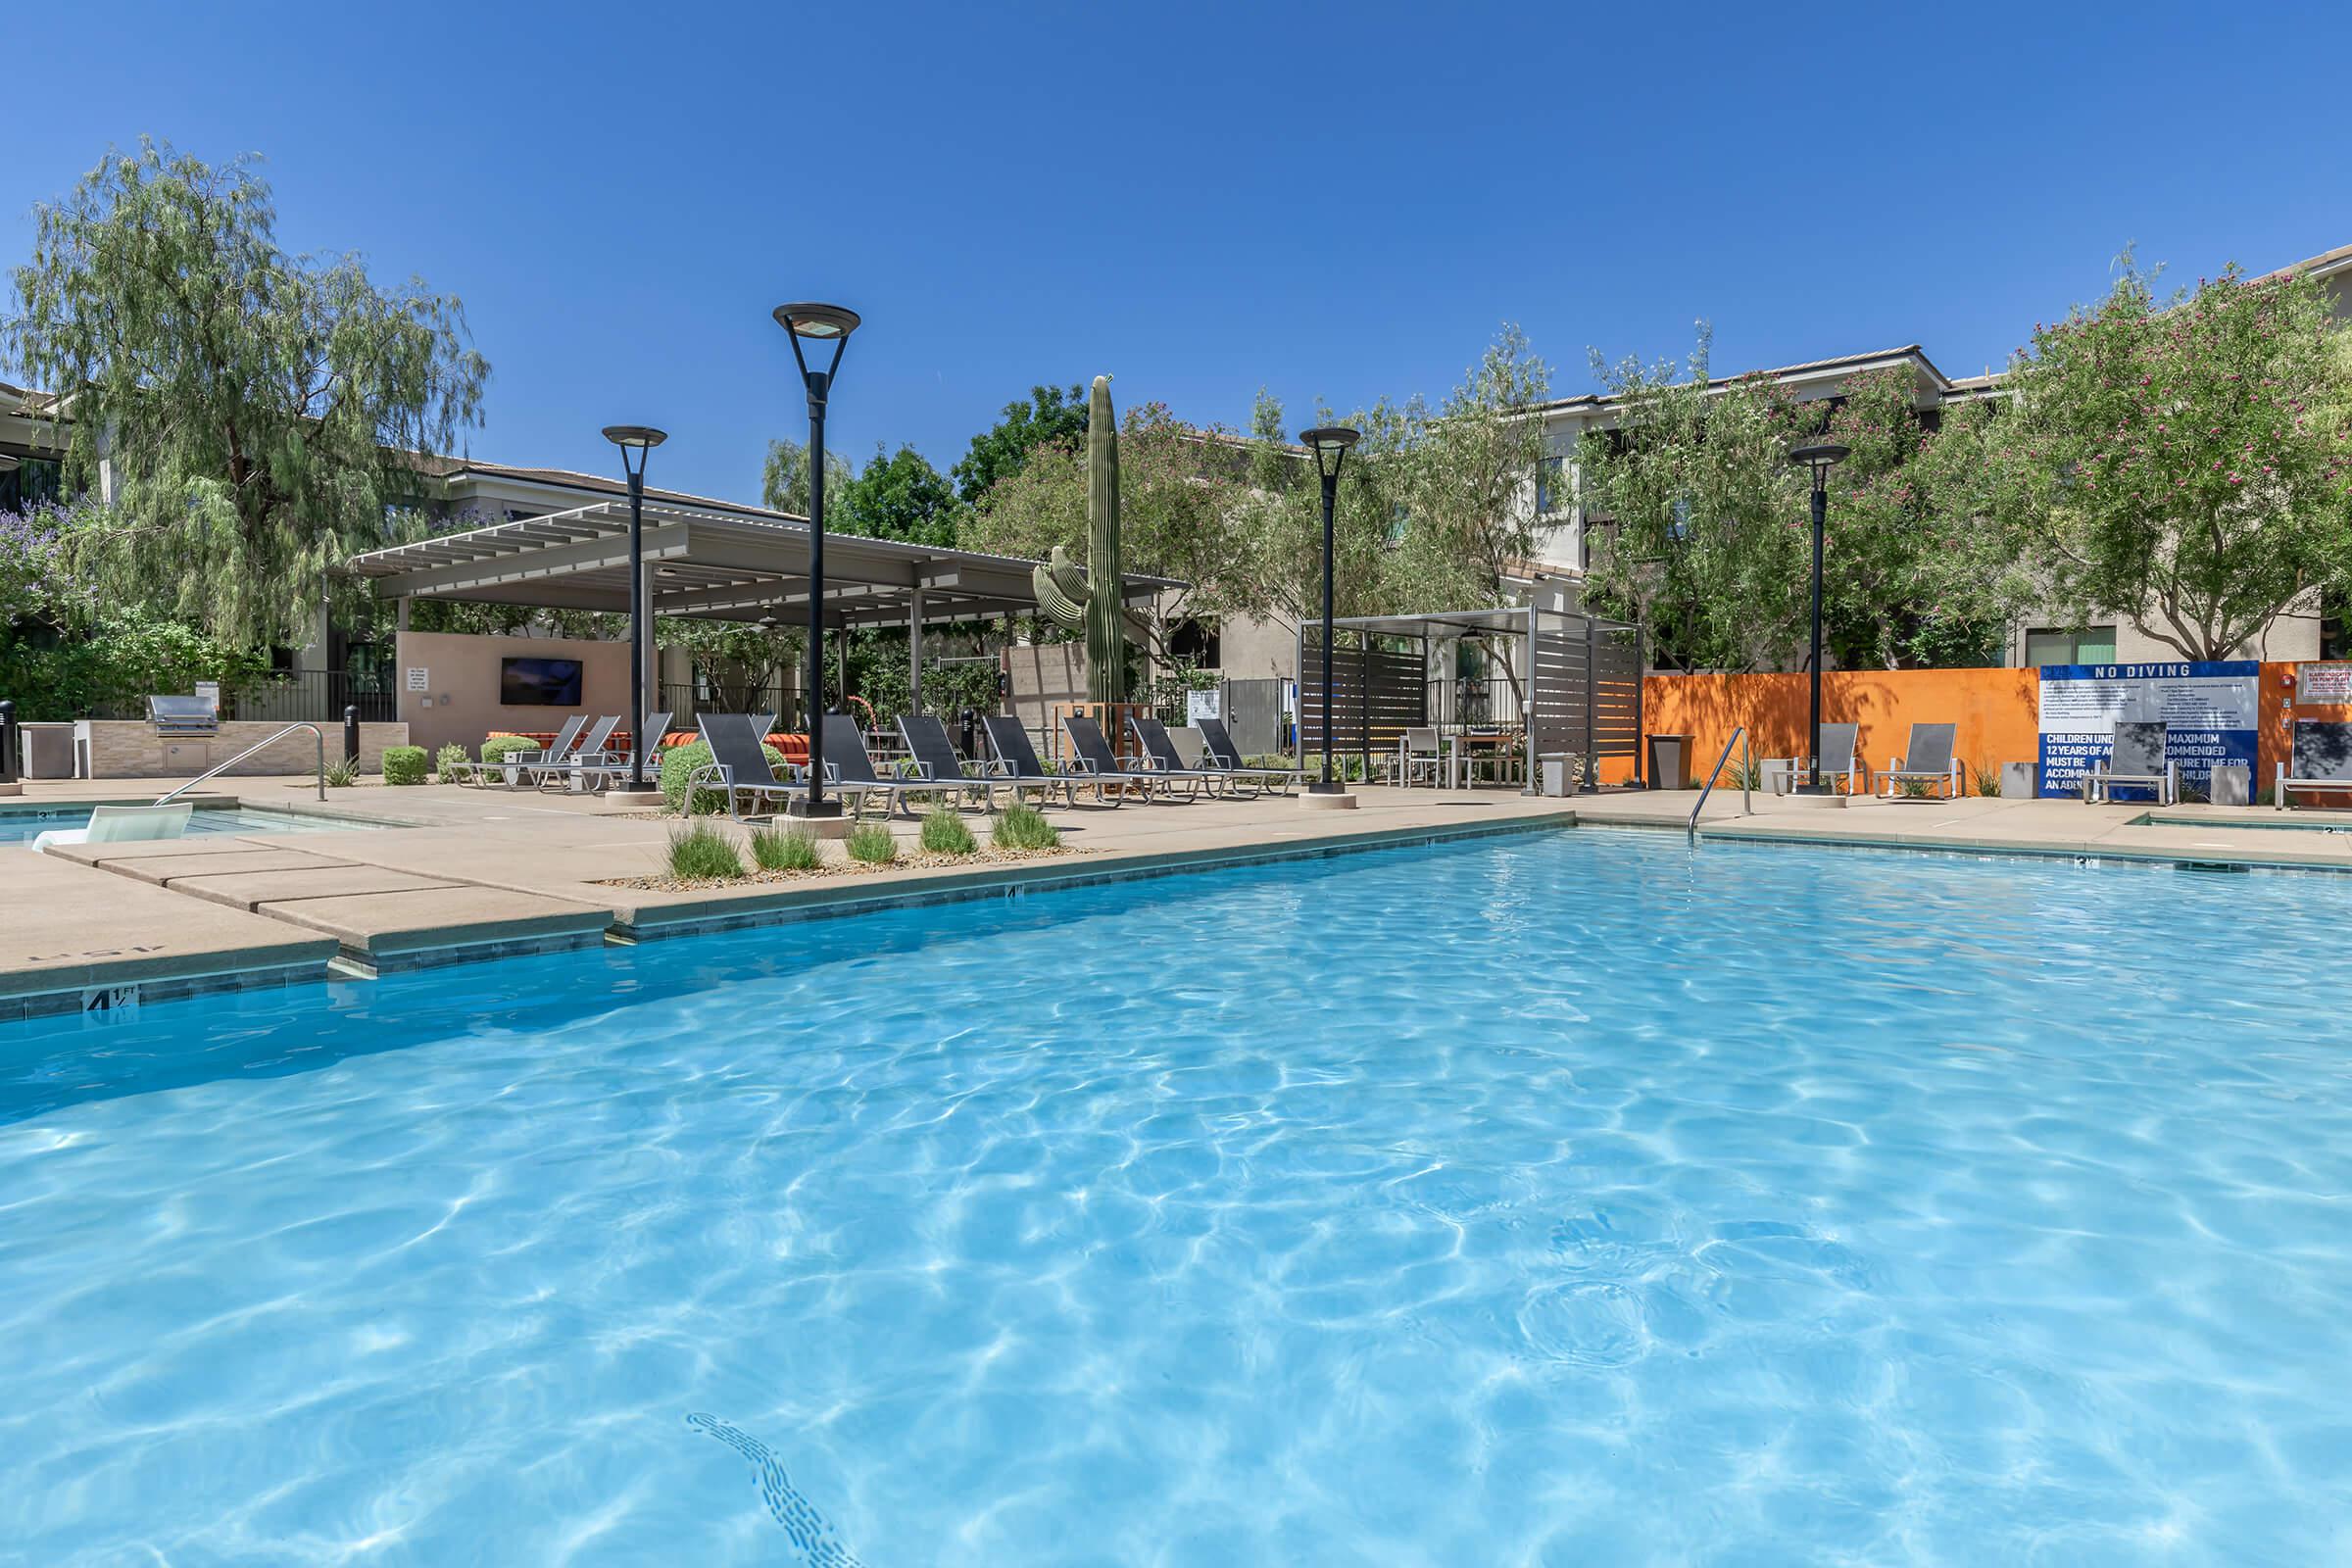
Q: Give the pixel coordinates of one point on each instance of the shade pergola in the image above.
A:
(713, 565)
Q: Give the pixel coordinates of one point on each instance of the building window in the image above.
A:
(1551, 486)
(2335, 636)
(30, 482)
(2092, 645)
(1196, 643)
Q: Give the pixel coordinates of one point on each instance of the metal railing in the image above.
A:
(274, 736)
(1748, 775)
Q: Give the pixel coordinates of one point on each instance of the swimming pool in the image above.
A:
(1568, 1197)
(19, 826)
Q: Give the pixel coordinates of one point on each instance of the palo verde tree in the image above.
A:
(260, 411)
(784, 476)
(2186, 462)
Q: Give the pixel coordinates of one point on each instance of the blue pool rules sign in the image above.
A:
(2211, 711)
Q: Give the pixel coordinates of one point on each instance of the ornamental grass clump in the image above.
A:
(342, 772)
(449, 761)
(703, 854)
(944, 833)
(1024, 827)
(785, 848)
(871, 844)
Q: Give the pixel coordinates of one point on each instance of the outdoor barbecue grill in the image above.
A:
(183, 718)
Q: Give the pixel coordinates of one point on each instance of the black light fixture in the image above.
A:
(819, 323)
(1821, 456)
(1329, 444)
(635, 441)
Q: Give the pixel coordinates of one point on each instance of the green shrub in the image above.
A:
(1989, 778)
(403, 765)
(449, 761)
(785, 848)
(944, 833)
(342, 773)
(703, 853)
(1024, 827)
(678, 764)
(498, 748)
(871, 844)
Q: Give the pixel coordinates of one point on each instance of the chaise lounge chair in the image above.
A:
(2321, 763)
(507, 769)
(937, 759)
(738, 764)
(1094, 760)
(2137, 763)
(1016, 766)
(849, 769)
(1161, 758)
(122, 824)
(1218, 751)
(610, 769)
(1927, 758)
(1840, 758)
(570, 770)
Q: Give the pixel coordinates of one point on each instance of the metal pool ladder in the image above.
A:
(316, 734)
(1747, 771)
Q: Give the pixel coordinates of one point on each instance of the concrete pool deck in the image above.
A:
(477, 872)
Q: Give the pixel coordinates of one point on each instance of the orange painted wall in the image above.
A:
(1996, 710)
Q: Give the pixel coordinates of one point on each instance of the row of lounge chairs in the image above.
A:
(581, 757)
(739, 770)
(2319, 762)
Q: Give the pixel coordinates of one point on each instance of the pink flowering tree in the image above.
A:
(2186, 462)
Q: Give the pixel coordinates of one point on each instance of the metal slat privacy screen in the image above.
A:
(1377, 688)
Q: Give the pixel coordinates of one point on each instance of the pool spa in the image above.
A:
(1563, 1197)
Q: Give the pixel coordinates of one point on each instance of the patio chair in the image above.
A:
(738, 764)
(510, 768)
(1015, 766)
(1161, 758)
(850, 768)
(937, 759)
(1420, 756)
(1927, 758)
(2321, 763)
(610, 769)
(570, 770)
(1218, 751)
(1840, 760)
(1094, 758)
(2136, 761)
(122, 824)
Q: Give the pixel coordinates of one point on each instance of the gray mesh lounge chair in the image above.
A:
(1927, 758)
(1015, 766)
(569, 770)
(1162, 757)
(738, 766)
(1840, 758)
(2137, 763)
(509, 769)
(849, 769)
(936, 757)
(610, 768)
(1218, 751)
(1091, 757)
(2321, 763)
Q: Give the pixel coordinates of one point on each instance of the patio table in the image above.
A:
(1501, 743)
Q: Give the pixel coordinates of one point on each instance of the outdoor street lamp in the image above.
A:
(636, 440)
(1329, 446)
(823, 323)
(1821, 456)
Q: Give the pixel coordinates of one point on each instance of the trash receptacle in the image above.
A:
(1670, 762)
(48, 750)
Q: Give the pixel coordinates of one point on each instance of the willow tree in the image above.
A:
(260, 412)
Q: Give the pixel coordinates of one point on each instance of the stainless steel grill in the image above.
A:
(183, 718)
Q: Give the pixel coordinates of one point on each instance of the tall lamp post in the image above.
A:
(820, 323)
(635, 441)
(1821, 456)
(1329, 446)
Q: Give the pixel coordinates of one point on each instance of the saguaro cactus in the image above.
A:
(1089, 597)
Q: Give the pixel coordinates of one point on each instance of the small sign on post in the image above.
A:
(1199, 706)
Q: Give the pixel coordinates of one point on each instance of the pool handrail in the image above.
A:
(316, 734)
(1747, 772)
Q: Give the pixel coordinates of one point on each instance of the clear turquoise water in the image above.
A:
(1565, 1200)
(22, 826)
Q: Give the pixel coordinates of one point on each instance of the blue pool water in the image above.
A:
(1557, 1200)
(22, 826)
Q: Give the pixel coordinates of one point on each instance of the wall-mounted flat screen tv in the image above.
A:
(539, 682)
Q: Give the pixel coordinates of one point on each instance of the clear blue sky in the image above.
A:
(1329, 201)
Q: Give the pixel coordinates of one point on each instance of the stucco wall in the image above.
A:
(460, 704)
